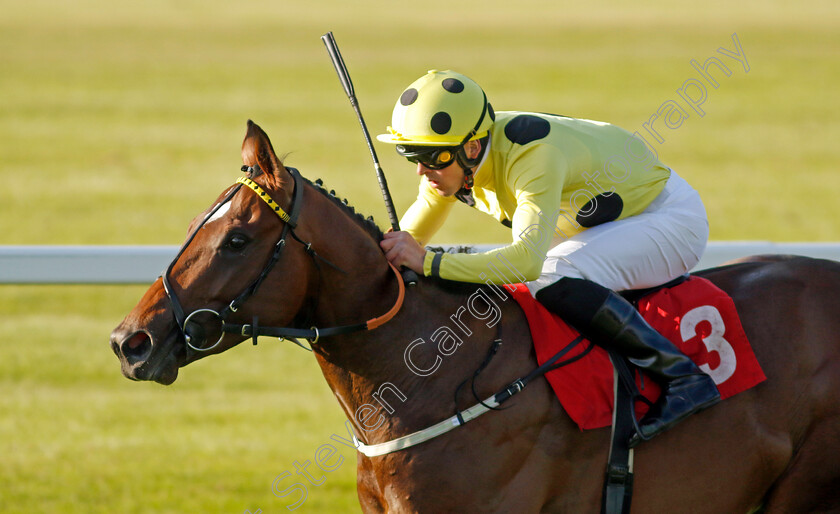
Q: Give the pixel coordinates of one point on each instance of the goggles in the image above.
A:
(434, 158)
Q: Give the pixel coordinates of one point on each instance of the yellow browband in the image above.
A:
(264, 196)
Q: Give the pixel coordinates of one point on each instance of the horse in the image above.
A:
(319, 273)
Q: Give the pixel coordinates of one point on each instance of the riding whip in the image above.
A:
(409, 276)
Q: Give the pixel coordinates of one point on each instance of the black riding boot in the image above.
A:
(610, 321)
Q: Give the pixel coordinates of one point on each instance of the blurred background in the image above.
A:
(120, 121)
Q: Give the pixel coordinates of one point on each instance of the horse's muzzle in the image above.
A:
(142, 359)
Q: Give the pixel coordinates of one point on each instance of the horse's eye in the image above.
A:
(236, 242)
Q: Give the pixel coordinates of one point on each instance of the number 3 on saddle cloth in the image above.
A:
(697, 316)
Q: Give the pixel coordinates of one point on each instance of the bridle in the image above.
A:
(189, 327)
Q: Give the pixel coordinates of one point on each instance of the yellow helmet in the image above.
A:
(441, 108)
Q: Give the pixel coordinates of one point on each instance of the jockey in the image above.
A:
(591, 208)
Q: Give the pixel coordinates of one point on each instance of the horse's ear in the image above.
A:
(257, 150)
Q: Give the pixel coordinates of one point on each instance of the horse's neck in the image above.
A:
(357, 284)
(381, 392)
(370, 371)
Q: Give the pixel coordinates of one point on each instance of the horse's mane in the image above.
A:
(370, 226)
(367, 223)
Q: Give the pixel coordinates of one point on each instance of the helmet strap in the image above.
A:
(474, 131)
(468, 178)
(468, 164)
(465, 194)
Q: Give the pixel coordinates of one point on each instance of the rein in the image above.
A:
(189, 327)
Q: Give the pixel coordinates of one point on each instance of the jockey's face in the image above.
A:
(449, 180)
(446, 181)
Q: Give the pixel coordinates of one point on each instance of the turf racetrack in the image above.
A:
(120, 121)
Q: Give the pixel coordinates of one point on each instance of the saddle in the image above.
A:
(599, 389)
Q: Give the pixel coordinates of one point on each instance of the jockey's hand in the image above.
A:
(403, 250)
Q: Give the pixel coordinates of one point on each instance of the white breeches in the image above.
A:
(663, 242)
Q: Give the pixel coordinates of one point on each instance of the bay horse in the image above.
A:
(772, 448)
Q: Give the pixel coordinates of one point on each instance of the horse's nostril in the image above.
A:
(137, 346)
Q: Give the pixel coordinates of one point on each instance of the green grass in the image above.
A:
(77, 437)
(120, 121)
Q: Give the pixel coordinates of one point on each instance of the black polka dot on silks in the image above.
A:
(491, 112)
(453, 85)
(526, 128)
(441, 122)
(408, 97)
(601, 209)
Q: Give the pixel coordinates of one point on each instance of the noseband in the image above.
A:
(186, 323)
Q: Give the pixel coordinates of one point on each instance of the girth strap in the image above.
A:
(618, 479)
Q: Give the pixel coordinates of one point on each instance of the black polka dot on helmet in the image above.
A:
(453, 85)
(441, 122)
(409, 96)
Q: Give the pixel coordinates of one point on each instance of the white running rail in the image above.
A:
(143, 264)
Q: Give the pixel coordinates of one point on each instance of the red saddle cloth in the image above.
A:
(696, 315)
